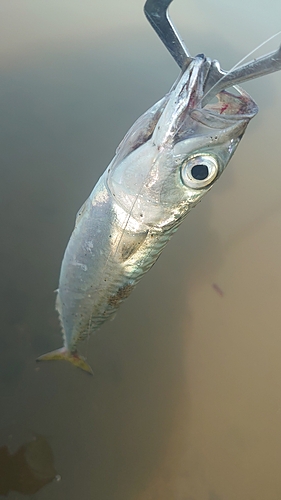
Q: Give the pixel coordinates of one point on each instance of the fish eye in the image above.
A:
(199, 171)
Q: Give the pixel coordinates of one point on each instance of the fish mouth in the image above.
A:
(234, 104)
(228, 112)
(184, 107)
(191, 86)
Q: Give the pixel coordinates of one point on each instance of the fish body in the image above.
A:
(166, 163)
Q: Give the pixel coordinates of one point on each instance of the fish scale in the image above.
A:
(142, 198)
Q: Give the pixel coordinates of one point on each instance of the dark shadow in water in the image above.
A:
(62, 119)
(28, 469)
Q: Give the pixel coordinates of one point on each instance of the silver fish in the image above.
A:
(169, 159)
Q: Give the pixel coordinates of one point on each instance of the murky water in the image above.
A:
(185, 403)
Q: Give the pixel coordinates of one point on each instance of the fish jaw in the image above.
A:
(184, 96)
(178, 119)
(64, 354)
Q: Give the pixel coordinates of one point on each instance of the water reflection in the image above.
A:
(185, 402)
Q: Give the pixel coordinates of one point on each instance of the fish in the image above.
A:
(169, 159)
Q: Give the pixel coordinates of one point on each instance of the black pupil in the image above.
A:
(200, 172)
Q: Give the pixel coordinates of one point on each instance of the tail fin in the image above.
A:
(73, 357)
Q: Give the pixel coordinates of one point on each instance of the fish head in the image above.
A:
(195, 143)
(187, 148)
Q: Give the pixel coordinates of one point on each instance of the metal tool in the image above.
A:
(217, 79)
